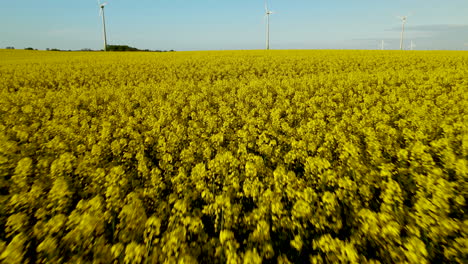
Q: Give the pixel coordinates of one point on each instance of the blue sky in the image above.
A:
(235, 24)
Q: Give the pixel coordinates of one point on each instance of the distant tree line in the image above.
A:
(12, 48)
(120, 48)
(128, 48)
(109, 48)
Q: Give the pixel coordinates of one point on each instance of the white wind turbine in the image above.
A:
(267, 16)
(412, 45)
(101, 13)
(404, 19)
(403, 22)
(382, 45)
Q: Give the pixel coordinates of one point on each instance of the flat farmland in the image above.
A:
(290, 156)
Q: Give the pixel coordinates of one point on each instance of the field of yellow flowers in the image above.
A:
(234, 157)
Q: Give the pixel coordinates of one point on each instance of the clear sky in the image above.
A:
(234, 24)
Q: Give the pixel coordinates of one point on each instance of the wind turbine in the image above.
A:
(382, 45)
(101, 13)
(412, 45)
(403, 21)
(267, 16)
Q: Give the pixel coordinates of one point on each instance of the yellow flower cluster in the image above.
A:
(233, 156)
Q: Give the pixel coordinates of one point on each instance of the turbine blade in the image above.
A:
(266, 6)
(402, 17)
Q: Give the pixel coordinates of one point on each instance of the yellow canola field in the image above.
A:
(234, 156)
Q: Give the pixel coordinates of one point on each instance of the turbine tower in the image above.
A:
(412, 45)
(403, 21)
(382, 45)
(267, 16)
(101, 13)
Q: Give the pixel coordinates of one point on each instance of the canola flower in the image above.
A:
(233, 156)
